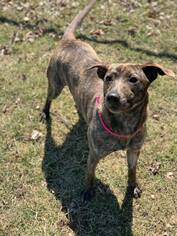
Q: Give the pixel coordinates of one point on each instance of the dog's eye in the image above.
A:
(133, 79)
(108, 78)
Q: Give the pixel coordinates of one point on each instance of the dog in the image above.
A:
(112, 99)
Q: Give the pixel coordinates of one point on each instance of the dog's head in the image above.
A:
(125, 85)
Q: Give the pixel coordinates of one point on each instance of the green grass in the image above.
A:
(41, 181)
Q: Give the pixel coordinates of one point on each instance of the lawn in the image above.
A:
(42, 166)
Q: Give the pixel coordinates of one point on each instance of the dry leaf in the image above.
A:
(166, 234)
(156, 116)
(17, 37)
(132, 31)
(5, 50)
(173, 220)
(106, 22)
(36, 135)
(44, 183)
(29, 37)
(74, 4)
(19, 8)
(4, 109)
(53, 35)
(26, 18)
(154, 168)
(168, 225)
(97, 32)
(170, 175)
(23, 77)
(17, 101)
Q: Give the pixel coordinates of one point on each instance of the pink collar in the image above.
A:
(109, 130)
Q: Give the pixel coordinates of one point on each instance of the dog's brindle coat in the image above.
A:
(124, 98)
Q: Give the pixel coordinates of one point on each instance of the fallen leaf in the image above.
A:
(4, 109)
(16, 37)
(17, 101)
(74, 3)
(168, 226)
(152, 14)
(154, 168)
(5, 50)
(19, 8)
(97, 32)
(156, 116)
(170, 175)
(132, 31)
(26, 5)
(166, 234)
(106, 22)
(36, 135)
(29, 37)
(26, 18)
(173, 220)
(71, 234)
(44, 183)
(92, 18)
(23, 77)
(154, 32)
(53, 35)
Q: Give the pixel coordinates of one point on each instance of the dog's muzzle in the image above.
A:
(115, 103)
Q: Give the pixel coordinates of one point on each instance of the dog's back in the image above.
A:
(69, 66)
(70, 63)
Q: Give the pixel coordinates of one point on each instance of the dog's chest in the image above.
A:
(103, 142)
(106, 144)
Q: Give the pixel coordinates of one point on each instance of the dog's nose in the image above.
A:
(113, 98)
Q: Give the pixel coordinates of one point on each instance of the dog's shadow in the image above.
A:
(64, 170)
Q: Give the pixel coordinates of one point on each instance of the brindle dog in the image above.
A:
(111, 98)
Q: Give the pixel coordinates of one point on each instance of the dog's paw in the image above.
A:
(137, 192)
(88, 195)
(44, 117)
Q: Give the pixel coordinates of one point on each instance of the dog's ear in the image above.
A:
(152, 70)
(101, 70)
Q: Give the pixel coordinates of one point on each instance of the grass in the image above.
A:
(41, 180)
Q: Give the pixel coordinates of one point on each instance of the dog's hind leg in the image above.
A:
(55, 87)
(90, 176)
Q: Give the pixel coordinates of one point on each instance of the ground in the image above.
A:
(42, 166)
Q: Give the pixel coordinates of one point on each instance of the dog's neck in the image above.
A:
(126, 122)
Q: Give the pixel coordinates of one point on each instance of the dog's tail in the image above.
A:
(69, 33)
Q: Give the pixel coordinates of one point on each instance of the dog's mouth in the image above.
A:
(118, 108)
(116, 104)
(123, 107)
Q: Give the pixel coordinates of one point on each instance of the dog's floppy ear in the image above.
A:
(152, 70)
(101, 70)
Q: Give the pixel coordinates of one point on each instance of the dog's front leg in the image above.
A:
(132, 158)
(90, 176)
